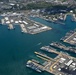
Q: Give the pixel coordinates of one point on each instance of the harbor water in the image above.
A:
(17, 48)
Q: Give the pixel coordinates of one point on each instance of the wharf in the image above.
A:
(70, 38)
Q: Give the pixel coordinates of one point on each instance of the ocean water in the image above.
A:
(17, 48)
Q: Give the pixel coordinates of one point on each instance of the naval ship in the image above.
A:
(61, 46)
(34, 66)
(47, 48)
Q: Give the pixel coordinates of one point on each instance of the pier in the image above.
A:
(43, 58)
(43, 55)
(23, 28)
(10, 26)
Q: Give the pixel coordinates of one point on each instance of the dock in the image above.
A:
(55, 65)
